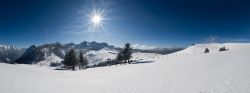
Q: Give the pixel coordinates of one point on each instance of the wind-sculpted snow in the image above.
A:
(214, 72)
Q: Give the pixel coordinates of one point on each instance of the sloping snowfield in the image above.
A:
(188, 71)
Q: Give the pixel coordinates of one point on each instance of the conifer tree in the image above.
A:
(83, 60)
(127, 52)
(70, 59)
(119, 58)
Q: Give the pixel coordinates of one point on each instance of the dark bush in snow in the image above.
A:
(55, 64)
(223, 49)
(206, 50)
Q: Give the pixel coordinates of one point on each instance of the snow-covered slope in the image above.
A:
(102, 55)
(215, 72)
(52, 53)
(213, 48)
(145, 56)
(52, 58)
(95, 57)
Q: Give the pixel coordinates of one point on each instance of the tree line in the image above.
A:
(73, 60)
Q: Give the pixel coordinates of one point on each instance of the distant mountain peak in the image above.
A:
(35, 54)
(93, 45)
(55, 51)
(10, 53)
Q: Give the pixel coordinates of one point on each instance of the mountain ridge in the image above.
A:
(9, 53)
(56, 51)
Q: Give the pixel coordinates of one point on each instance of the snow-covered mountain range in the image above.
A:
(10, 53)
(94, 51)
(35, 54)
(54, 52)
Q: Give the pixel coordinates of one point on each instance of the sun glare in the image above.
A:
(96, 20)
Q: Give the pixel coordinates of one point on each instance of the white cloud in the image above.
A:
(74, 32)
(239, 40)
(212, 39)
(215, 39)
(144, 47)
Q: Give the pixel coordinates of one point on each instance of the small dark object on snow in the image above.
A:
(223, 49)
(206, 50)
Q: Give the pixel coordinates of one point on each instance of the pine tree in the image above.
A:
(127, 52)
(83, 60)
(119, 58)
(70, 59)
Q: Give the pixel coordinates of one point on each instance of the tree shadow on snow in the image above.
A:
(142, 62)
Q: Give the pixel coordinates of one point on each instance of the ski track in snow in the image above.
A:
(187, 71)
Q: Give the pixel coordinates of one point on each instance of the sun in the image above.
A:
(96, 19)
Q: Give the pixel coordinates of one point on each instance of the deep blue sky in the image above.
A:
(143, 22)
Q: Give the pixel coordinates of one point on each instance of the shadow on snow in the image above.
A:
(142, 62)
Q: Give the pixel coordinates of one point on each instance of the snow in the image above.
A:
(188, 71)
(4, 47)
(106, 53)
(145, 56)
(95, 57)
(213, 47)
(50, 59)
